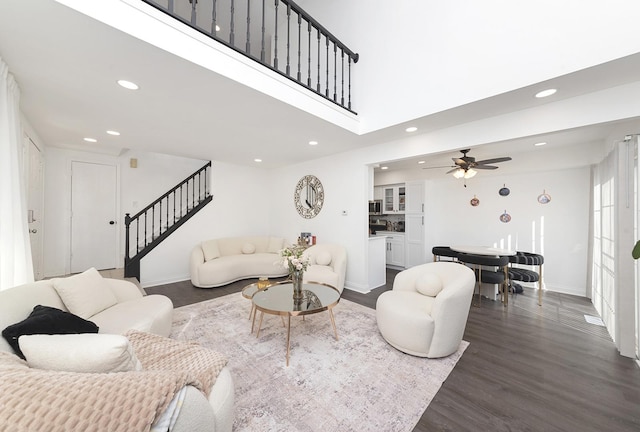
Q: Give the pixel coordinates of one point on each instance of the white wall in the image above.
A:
(242, 200)
(558, 230)
(435, 55)
(345, 182)
(156, 174)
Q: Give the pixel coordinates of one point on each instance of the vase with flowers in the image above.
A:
(296, 263)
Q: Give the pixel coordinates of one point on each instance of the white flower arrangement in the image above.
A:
(293, 260)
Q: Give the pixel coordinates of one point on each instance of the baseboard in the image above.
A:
(359, 288)
(152, 283)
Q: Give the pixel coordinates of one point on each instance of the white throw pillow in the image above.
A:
(275, 244)
(429, 284)
(248, 248)
(323, 258)
(85, 294)
(210, 250)
(85, 352)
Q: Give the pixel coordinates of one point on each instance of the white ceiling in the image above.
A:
(67, 65)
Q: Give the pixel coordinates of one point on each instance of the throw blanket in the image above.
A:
(41, 400)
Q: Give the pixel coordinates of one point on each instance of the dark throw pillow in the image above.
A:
(46, 320)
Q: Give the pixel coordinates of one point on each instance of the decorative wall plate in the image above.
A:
(474, 201)
(504, 191)
(544, 197)
(505, 217)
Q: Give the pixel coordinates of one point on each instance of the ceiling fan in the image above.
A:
(466, 166)
(466, 163)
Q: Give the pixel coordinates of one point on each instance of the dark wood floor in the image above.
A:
(527, 368)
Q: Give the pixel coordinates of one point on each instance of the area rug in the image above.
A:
(356, 383)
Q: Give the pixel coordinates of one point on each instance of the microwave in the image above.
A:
(375, 207)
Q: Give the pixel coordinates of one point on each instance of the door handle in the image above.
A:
(33, 231)
(112, 222)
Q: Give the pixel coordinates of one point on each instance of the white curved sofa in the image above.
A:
(426, 312)
(221, 261)
(152, 314)
(327, 264)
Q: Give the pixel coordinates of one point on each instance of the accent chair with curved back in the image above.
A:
(426, 312)
(525, 275)
(328, 264)
(484, 269)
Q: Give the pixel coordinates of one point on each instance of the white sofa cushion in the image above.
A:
(276, 244)
(248, 248)
(322, 274)
(85, 294)
(210, 250)
(90, 353)
(429, 284)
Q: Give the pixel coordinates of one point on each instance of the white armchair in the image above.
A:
(328, 264)
(426, 312)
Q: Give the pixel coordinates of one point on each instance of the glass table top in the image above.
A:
(278, 299)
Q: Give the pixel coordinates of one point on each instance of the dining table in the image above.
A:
(490, 251)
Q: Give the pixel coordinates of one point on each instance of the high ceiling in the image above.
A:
(67, 65)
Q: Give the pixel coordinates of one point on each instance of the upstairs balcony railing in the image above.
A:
(279, 35)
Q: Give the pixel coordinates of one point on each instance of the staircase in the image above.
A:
(150, 226)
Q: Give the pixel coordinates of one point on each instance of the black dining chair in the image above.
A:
(444, 251)
(525, 275)
(484, 267)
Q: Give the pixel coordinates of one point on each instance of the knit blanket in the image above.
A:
(40, 400)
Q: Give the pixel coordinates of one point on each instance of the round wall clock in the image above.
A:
(308, 197)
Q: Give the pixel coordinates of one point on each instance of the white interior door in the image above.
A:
(94, 231)
(35, 206)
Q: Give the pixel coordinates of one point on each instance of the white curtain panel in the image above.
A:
(16, 266)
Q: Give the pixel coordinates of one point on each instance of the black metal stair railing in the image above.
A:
(279, 34)
(150, 226)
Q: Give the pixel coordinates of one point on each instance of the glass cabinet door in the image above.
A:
(401, 199)
(388, 200)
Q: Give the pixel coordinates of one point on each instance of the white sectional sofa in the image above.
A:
(221, 261)
(132, 310)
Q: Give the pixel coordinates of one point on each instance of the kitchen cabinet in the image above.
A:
(395, 250)
(394, 199)
(414, 224)
(378, 193)
(377, 262)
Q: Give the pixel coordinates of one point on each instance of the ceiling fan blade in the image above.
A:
(458, 161)
(452, 170)
(485, 167)
(433, 167)
(494, 160)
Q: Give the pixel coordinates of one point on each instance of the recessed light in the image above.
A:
(540, 144)
(313, 142)
(114, 133)
(421, 162)
(91, 140)
(384, 167)
(545, 93)
(257, 160)
(411, 129)
(217, 27)
(128, 85)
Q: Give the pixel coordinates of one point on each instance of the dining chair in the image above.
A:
(444, 251)
(484, 266)
(526, 275)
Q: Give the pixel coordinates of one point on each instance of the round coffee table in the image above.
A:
(278, 299)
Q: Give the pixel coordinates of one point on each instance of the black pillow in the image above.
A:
(46, 320)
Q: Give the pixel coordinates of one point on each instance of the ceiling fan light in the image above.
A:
(470, 173)
(459, 173)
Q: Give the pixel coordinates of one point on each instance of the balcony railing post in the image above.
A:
(127, 222)
(275, 44)
(231, 26)
(309, 54)
(263, 31)
(288, 39)
(214, 26)
(299, 44)
(248, 45)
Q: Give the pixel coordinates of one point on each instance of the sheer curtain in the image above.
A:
(15, 250)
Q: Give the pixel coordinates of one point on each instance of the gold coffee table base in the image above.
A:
(278, 300)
